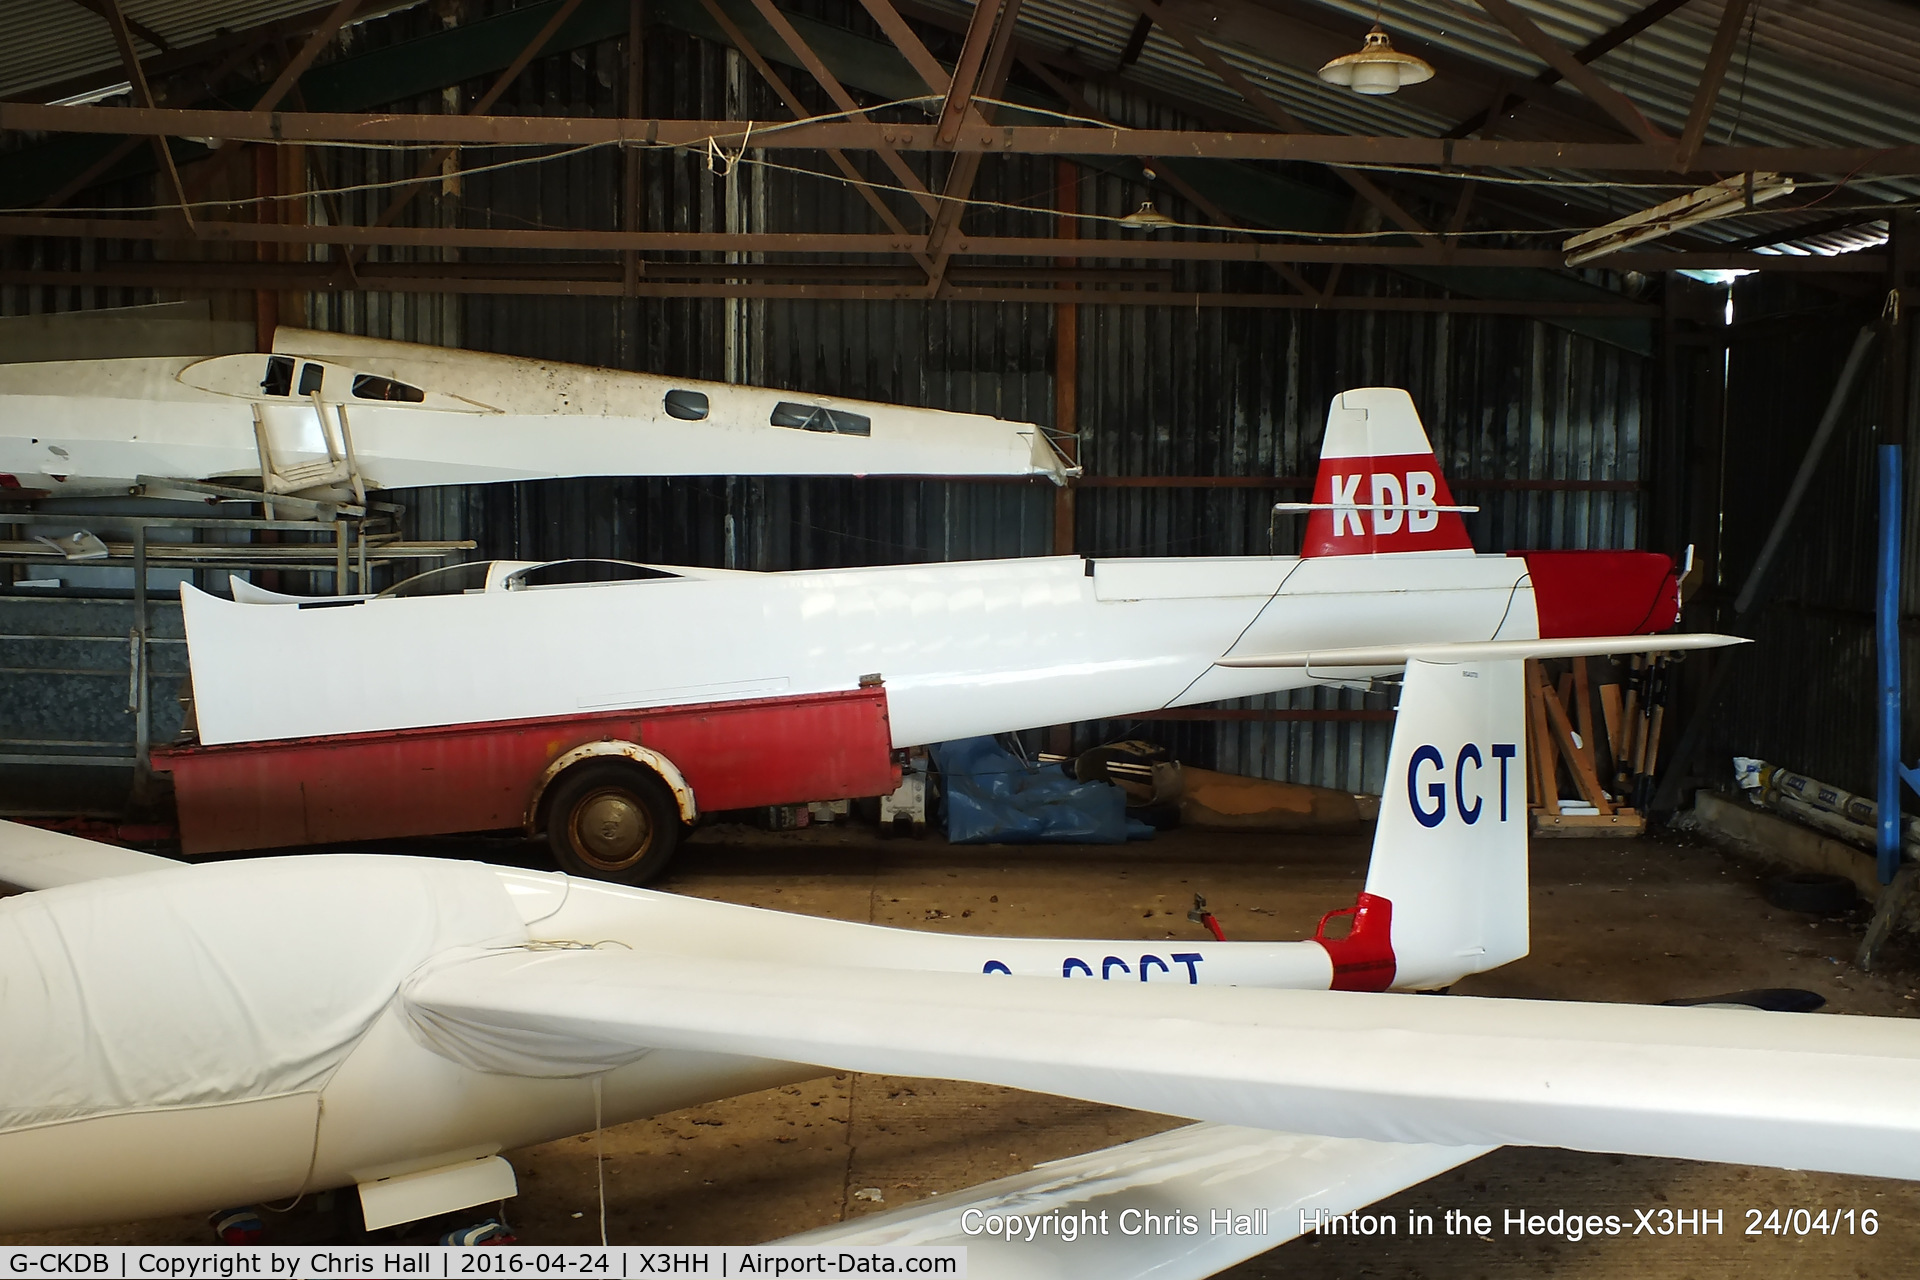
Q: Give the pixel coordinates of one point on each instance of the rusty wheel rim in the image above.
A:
(611, 829)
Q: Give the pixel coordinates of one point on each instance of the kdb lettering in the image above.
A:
(1393, 498)
(1466, 782)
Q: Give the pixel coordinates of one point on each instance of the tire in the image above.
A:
(611, 820)
(1814, 892)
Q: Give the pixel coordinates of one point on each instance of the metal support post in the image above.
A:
(1887, 641)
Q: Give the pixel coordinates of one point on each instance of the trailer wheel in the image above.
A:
(612, 821)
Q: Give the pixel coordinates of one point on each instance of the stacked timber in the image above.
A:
(1593, 742)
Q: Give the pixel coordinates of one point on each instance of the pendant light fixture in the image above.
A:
(1146, 218)
(1378, 68)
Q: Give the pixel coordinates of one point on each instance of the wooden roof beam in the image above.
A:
(779, 85)
(1712, 74)
(1082, 247)
(888, 19)
(1550, 51)
(1436, 153)
(1599, 46)
(123, 37)
(146, 33)
(844, 100)
(1077, 102)
(1267, 106)
(991, 77)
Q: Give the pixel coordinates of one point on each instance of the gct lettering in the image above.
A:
(1469, 804)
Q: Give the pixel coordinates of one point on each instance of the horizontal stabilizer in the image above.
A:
(1737, 1086)
(1398, 655)
(1297, 508)
(1160, 1199)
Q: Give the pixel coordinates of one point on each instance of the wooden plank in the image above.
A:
(1622, 823)
(1584, 779)
(1583, 714)
(1611, 713)
(1539, 739)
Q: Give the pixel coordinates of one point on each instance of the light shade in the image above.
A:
(1146, 218)
(1377, 69)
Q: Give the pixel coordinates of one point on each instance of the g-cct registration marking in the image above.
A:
(1149, 964)
(1468, 757)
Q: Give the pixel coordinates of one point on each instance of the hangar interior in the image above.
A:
(1165, 238)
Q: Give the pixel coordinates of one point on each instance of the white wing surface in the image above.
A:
(1156, 1201)
(1703, 1084)
(35, 859)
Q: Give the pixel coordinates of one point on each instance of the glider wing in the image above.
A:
(1167, 1207)
(35, 859)
(1738, 1086)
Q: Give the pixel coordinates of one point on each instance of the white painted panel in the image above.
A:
(408, 1197)
(965, 648)
(148, 1163)
(1187, 1174)
(1190, 578)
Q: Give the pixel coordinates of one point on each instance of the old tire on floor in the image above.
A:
(611, 820)
(1813, 892)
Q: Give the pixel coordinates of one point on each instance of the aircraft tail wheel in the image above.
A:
(611, 820)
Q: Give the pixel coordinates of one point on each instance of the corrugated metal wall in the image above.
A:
(1804, 693)
(1172, 392)
(1161, 391)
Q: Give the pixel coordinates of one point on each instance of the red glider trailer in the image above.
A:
(612, 790)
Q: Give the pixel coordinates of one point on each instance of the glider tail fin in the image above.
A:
(1380, 488)
(1446, 892)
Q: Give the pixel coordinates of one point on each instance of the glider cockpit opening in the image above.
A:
(581, 573)
(477, 577)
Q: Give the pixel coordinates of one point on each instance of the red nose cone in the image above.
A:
(1603, 593)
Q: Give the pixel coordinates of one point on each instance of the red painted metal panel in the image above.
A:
(481, 777)
(1603, 593)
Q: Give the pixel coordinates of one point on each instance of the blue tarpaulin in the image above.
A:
(993, 796)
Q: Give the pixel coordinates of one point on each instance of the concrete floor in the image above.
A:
(1613, 920)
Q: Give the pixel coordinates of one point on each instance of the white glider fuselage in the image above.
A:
(268, 1109)
(421, 415)
(964, 648)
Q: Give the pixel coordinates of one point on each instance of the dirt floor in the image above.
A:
(1614, 920)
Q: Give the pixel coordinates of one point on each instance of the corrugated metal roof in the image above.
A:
(1840, 72)
(48, 41)
(1813, 72)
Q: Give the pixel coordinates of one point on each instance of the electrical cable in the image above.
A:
(599, 1159)
(723, 161)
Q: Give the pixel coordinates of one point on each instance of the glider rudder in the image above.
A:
(1381, 481)
(1446, 891)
